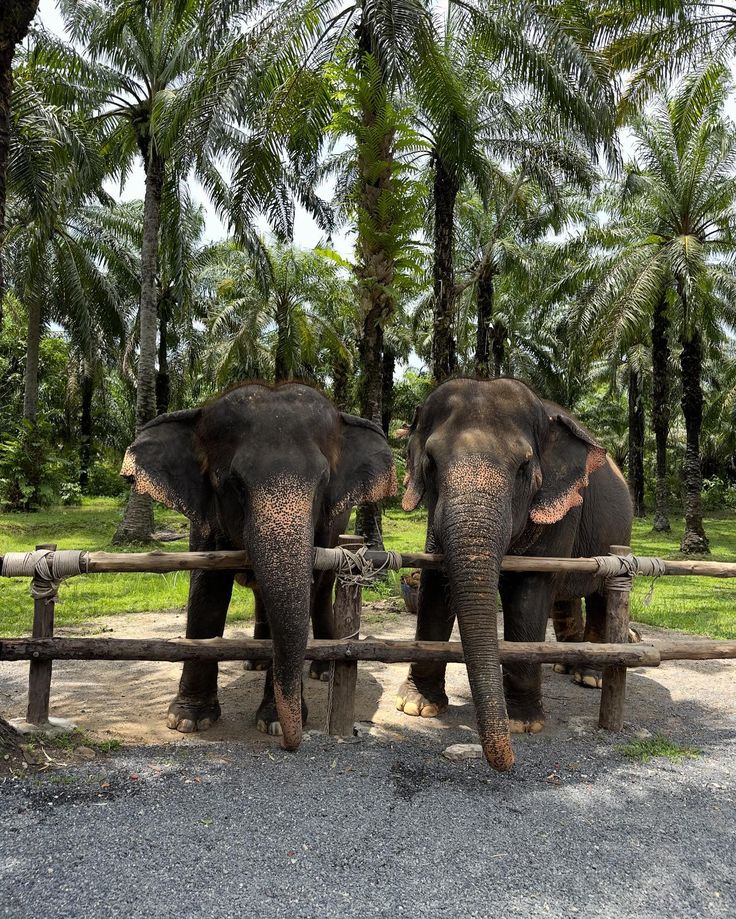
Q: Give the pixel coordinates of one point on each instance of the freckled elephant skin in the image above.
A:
(502, 471)
(274, 470)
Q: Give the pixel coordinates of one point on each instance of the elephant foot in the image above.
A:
(267, 719)
(320, 670)
(190, 715)
(562, 668)
(526, 716)
(427, 702)
(517, 726)
(256, 665)
(586, 676)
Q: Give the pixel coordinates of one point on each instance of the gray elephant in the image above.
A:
(274, 470)
(502, 471)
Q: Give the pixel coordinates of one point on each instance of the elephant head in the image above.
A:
(492, 462)
(270, 470)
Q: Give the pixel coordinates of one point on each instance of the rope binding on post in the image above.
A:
(618, 571)
(47, 568)
(353, 567)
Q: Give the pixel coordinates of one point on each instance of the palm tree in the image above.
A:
(468, 92)
(286, 328)
(56, 251)
(655, 40)
(15, 19)
(672, 258)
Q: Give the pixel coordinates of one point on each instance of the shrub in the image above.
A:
(718, 494)
(31, 468)
(105, 479)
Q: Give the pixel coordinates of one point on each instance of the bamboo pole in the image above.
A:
(237, 559)
(39, 672)
(367, 649)
(344, 673)
(613, 694)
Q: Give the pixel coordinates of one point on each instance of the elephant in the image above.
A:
(502, 471)
(273, 470)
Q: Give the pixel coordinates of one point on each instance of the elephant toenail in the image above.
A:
(186, 726)
(274, 729)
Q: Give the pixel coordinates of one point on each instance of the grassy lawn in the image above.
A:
(706, 606)
(91, 526)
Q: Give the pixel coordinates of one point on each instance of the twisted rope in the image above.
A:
(46, 577)
(352, 567)
(619, 570)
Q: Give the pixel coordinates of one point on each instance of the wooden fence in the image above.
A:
(346, 649)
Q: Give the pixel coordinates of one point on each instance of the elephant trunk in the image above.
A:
(280, 542)
(475, 538)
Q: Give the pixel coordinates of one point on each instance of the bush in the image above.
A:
(70, 494)
(31, 468)
(718, 494)
(105, 479)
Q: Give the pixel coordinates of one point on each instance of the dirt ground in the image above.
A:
(128, 700)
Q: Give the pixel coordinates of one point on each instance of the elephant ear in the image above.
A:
(568, 458)
(162, 462)
(365, 468)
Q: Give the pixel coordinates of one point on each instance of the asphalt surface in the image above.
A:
(375, 828)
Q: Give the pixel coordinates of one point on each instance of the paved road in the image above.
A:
(375, 828)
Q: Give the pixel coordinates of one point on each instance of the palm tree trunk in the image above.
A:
(368, 516)
(33, 344)
(85, 440)
(694, 540)
(15, 18)
(163, 381)
(444, 350)
(374, 270)
(499, 347)
(387, 392)
(281, 368)
(636, 442)
(661, 411)
(484, 306)
(137, 522)
(341, 383)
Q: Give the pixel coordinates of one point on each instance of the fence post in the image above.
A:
(39, 674)
(344, 674)
(613, 693)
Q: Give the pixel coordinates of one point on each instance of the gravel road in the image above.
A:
(376, 827)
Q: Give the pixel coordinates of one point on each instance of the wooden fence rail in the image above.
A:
(615, 656)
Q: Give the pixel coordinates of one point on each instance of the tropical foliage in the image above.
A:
(544, 190)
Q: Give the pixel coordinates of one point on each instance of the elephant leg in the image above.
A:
(261, 629)
(527, 602)
(567, 618)
(322, 620)
(595, 630)
(195, 707)
(423, 691)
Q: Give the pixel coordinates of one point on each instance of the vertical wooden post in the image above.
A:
(344, 674)
(613, 694)
(39, 675)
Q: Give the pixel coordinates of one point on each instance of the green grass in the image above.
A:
(703, 605)
(86, 598)
(658, 746)
(70, 740)
(706, 606)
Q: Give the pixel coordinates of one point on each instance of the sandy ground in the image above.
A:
(128, 700)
